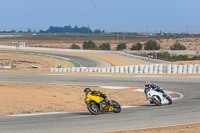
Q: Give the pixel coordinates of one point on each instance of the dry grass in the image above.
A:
(38, 98)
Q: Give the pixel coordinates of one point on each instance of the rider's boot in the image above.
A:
(108, 102)
(151, 102)
(165, 94)
(101, 108)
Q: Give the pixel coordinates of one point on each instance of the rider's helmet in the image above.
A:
(147, 84)
(87, 90)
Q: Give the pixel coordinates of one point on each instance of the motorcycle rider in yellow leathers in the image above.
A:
(98, 93)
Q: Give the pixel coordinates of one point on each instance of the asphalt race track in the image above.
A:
(183, 111)
(82, 60)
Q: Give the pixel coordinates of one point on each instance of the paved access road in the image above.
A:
(82, 60)
(184, 111)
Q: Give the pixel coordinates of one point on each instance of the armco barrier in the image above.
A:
(138, 69)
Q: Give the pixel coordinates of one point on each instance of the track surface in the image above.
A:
(184, 111)
(83, 61)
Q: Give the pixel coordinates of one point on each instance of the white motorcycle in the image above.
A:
(157, 97)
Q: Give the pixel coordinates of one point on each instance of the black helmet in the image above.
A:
(87, 90)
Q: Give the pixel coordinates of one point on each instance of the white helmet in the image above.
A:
(147, 84)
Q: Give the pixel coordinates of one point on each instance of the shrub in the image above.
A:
(104, 46)
(89, 45)
(178, 46)
(74, 46)
(151, 45)
(121, 46)
(138, 46)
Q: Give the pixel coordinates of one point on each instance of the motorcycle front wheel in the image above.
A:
(93, 108)
(156, 100)
(116, 107)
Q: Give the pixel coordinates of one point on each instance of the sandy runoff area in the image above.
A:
(24, 61)
(41, 98)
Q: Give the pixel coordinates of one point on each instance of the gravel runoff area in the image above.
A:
(41, 98)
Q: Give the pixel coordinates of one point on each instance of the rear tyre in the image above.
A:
(169, 99)
(93, 108)
(116, 107)
(157, 100)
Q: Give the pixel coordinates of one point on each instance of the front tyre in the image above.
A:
(156, 100)
(93, 108)
(116, 107)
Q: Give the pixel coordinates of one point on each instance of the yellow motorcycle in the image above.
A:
(94, 102)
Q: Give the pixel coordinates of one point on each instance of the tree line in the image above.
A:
(64, 29)
(168, 57)
(70, 29)
(149, 45)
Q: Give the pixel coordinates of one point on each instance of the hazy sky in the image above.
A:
(111, 15)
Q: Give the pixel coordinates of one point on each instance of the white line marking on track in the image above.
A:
(50, 113)
(113, 87)
(98, 75)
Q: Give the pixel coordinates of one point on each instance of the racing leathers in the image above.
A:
(155, 88)
(103, 95)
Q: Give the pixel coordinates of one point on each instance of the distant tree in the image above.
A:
(137, 46)
(89, 45)
(177, 46)
(29, 30)
(104, 46)
(121, 46)
(151, 45)
(74, 46)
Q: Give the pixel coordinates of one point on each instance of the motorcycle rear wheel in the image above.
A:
(169, 99)
(116, 107)
(93, 108)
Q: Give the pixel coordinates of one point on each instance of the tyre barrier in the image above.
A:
(138, 69)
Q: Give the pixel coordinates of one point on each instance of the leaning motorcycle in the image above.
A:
(93, 105)
(157, 97)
